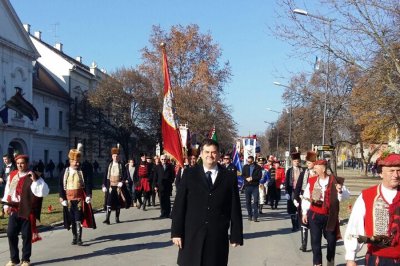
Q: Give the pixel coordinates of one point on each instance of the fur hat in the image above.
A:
(74, 154)
(392, 159)
(295, 156)
(114, 150)
(311, 156)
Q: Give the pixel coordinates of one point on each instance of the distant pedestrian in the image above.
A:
(252, 174)
(292, 176)
(206, 205)
(164, 175)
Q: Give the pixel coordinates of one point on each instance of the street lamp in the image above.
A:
(277, 135)
(329, 21)
(290, 111)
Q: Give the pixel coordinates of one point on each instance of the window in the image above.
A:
(46, 116)
(60, 120)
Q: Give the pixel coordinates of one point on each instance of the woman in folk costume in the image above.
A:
(114, 187)
(76, 196)
(292, 176)
(22, 201)
(320, 207)
(142, 182)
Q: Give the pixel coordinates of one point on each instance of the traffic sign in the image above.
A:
(325, 148)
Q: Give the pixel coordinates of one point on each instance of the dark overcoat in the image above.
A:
(163, 179)
(202, 216)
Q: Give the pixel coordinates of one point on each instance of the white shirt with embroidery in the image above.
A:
(355, 226)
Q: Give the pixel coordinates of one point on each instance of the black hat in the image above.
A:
(295, 156)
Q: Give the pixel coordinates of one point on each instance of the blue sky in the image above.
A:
(111, 33)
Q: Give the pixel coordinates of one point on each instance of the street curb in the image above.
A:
(45, 228)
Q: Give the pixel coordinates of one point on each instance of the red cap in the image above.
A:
(320, 162)
(22, 156)
(392, 159)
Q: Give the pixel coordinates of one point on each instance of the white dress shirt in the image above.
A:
(214, 172)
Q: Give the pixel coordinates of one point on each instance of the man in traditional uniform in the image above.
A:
(8, 167)
(320, 207)
(207, 204)
(75, 196)
(114, 187)
(292, 176)
(375, 218)
(277, 174)
(301, 184)
(23, 197)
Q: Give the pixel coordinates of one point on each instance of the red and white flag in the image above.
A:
(169, 127)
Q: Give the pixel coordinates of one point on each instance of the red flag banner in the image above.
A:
(169, 128)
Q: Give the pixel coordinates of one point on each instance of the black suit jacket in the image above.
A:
(256, 175)
(201, 216)
(163, 179)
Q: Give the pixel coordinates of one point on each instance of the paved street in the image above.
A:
(142, 240)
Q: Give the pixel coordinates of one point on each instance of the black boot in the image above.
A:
(107, 220)
(293, 219)
(260, 209)
(79, 232)
(304, 237)
(117, 212)
(74, 236)
(144, 205)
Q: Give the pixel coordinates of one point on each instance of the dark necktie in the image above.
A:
(209, 180)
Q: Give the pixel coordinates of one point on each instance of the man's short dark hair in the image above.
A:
(209, 142)
(7, 155)
(251, 157)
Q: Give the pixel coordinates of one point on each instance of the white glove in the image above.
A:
(104, 189)
(281, 186)
(120, 184)
(88, 200)
(5, 208)
(296, 203)
(287, 196)
(64, 203)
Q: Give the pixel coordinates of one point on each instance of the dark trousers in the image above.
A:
(317, 224)
(165, 203)
(75, 211)
(252, 209)
(372, 260)
(15, 226)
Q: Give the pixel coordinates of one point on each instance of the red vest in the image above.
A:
(324, 209)
(369, 196)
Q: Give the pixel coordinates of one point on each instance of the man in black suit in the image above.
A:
(252, 173)
(206, 205)
(164, 176)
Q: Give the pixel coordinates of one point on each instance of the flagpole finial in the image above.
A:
(162, 45)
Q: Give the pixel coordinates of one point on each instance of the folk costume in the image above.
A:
(142, 184)
(376, 216)
(292, 176)
(321, 205)
(274, 186)
(75, 188)
(115, 189)
(22, 200)
(298, 194)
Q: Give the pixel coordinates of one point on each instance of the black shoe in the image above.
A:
(256, 220)
(74, 241)
(250, 218)
(260, 212)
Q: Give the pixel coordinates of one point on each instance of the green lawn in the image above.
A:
(56, 215)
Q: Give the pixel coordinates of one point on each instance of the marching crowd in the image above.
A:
(206, 214)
